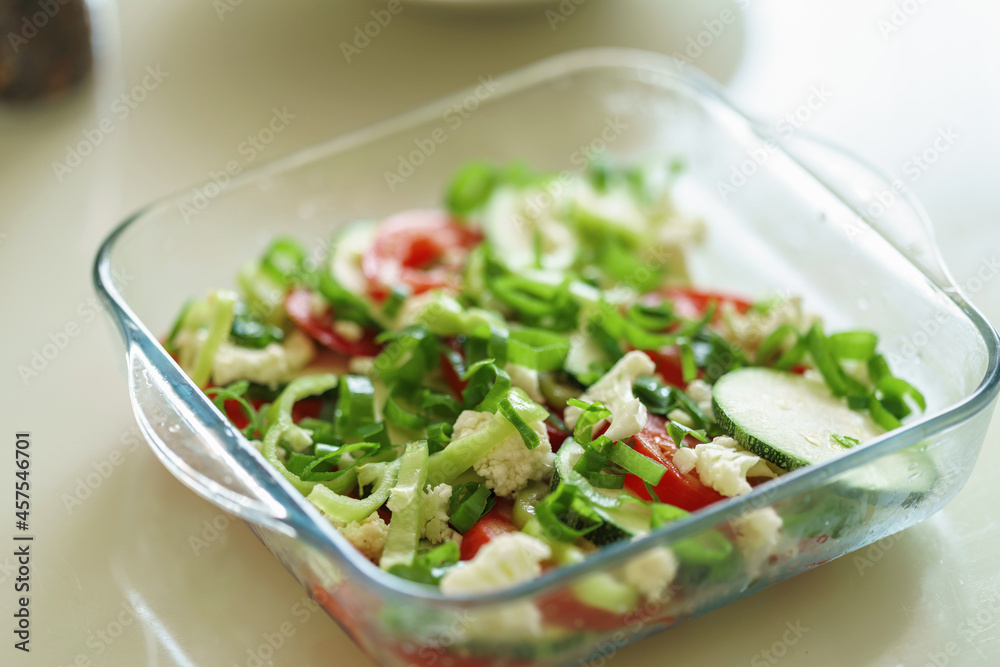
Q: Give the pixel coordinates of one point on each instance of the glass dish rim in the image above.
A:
(546, 70)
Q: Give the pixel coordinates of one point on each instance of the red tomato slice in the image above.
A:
(692, 303)
(319, 327)
(420, 249)
(556, 436)
(565, 610)
(668, 365)
(676, 488)
(494, 523)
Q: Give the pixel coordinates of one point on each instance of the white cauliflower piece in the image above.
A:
(614, 390)
(368, 536)
(749, 330)
(700, 392)
(509, 466)
(505, 561)
(273, 365)
(525, 379)
(757, 535)
(436, 528)
(652, 572)
(723, 465)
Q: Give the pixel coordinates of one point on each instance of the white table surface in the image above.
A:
(127, 543)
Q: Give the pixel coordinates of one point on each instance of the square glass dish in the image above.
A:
(793, 217)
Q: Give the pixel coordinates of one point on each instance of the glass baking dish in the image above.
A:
(797, 217)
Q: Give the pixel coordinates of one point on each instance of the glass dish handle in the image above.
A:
(199, 446)
(885, 203)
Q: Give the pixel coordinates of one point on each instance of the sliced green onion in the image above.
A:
(845, 441)
(283, 260)
(347, 305)
(678, 431)
(438, 436)
(347, 509)
(487, 384)
(564, 517)
(223, 304)
(604, 340)
(528, 435)
(471, 187)
(878, 368)
(644, 468)
(468, 503)
(247, 331)
(827, 364)
(313, 471)
(688, 366)
(355, 404)
(397, 297)
(859, 345)
(236, 392)
(170, 344)
(395, 414)
(429, 567)
(882, 416)
(607, 480)
(436, 404)
(592, 413)
(591, 462)
(662, 514)
(409, 354)
(651, 490)
(774, 343)
(537, 349)
(893, 393)
(652, 318)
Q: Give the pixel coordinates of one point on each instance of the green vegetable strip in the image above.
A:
(774, 342)
(462, 453)
(429, 567)
(466, 513)
(527, 434)
(282, 261)
(280, 421)
(828, 367)
(663, 514)
(592, 413)
(178, 325)
(859, 345)
(406, 501)
(471, 187)
(537, 349)
(882, 416)
(223, 304)
(607, 481)
(893, 392)
(396, 414)
(645, 469)
(688, 366)
(487, 384)
(347, 509)
(678, 431)
(555, 508)
(355, 404)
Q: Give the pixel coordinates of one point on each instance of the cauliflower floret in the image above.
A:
(273, 365)
(749, 330)
(700, 392)
(436, 528)
(509, 466)
(504, 561)
(723, 465)
(527, 380)
(368, 536)
(757, 535)
(652, 572)
(614, 390)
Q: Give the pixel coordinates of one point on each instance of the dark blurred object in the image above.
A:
(44, 48)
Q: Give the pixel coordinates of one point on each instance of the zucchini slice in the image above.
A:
(787, 419)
